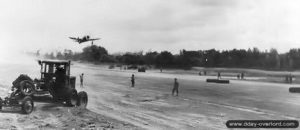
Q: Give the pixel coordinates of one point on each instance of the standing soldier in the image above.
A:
(132, 80)
(242, 75)
(175, 87)
(81, 80)
(219, 75)
(291, 78)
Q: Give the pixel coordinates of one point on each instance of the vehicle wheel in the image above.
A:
(72, 99)
(82, 99)
(27, 87)
(27, 105)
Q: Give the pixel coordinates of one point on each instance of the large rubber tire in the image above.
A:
(72, 98)
(294, 89)
(27, 87)
(223, 81)
(27, 105)
(82, 99)
(21, 78)
(218, 81)
(211, 80)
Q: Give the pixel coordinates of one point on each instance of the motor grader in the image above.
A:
(55, 80)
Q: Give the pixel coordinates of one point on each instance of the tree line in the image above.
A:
(240, 58)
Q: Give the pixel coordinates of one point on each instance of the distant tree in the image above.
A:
(211, 58)
(108, 59)
(50, 56)
(132, 58)
(272, 59)
(150, 57)
(294, 58)
(165, 58)
(188, 59)
(250, 58)
(93, 53)
(68, 54)
(59, 55)
(76, 56)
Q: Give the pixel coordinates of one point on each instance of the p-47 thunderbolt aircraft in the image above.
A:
(84, 39)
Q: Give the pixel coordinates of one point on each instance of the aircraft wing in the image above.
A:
(73, 38)
(94, 39)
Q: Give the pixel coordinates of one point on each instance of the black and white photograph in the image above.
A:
(149, 64)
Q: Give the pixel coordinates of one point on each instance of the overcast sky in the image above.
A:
(134, 25)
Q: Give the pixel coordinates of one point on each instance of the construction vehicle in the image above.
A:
(55, 80)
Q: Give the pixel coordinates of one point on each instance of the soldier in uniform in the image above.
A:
(219, 75)
(81, 80)
(132, 80)
(242, 76)
(175, 87)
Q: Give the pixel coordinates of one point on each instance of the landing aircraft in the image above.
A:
(84, 39)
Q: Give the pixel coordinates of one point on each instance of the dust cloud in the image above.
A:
(13, 63)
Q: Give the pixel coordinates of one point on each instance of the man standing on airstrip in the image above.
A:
(219, 75)
(132, 80)
(81, 80)
(175, 87)
(242, 75)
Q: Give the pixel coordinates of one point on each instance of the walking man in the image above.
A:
(81, 80)
(219, 75)
(175, 87)
(132, 80)
(291, 78)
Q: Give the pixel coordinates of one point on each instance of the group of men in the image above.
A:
(240, 76)
(174, 90)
